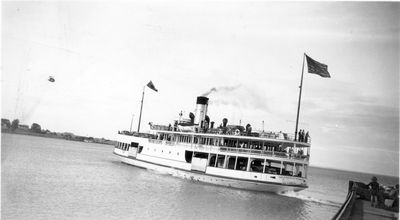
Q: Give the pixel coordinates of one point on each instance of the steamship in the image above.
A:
(228, 155)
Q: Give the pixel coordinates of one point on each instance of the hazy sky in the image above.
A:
(102, 54)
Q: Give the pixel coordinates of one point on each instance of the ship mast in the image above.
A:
(298, 105)
(141, 107)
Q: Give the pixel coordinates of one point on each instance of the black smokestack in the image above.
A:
(202, 100)
(201, 110)
(224, 122)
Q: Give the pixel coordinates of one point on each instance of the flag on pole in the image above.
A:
(317, 67)
(151, 86)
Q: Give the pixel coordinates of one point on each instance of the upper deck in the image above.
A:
(276, 137)
(275, 146)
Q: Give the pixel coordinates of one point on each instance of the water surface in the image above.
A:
(44, 178)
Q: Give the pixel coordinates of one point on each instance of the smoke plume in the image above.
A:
(221, 89)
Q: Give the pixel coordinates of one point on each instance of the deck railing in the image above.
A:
(262, 134)
(216, 149)
(270, 135)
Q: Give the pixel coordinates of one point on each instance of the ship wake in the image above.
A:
(310, 199)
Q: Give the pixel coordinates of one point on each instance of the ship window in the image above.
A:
(230, 143)
(212, 160)
(256, 165)
(140, 149)
(241, 163)
(272, 167)
(220, 161)
(300, 170)
(304, 171)
(201, 155)
(188, 156)
(287, 169)
(231, 162)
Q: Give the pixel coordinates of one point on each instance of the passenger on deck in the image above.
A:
(394, 196)
(306, 137)
(374, 189)
(280, 135)
(301, 135)
(290, 152)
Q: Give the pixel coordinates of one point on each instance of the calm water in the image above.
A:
(45, 178)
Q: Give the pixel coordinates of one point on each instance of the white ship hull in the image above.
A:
(164, 157)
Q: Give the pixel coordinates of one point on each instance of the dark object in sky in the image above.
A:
(51, 79)
(151, 86)
(317, 67)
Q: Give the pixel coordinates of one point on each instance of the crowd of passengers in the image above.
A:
(303, 137)
(239, 130)
(285, 151)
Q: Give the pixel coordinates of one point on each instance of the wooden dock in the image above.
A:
(356, 207)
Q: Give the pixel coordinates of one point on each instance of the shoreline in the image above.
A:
(80, 139)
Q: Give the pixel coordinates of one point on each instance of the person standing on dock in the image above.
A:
(374, 188)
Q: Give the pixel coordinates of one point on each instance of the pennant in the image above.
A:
(317, 67)
(151, 86)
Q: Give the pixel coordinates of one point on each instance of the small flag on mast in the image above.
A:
(151, 86)
(317, 67)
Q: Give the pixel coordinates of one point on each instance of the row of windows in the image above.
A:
(123, 146)
(249, 164)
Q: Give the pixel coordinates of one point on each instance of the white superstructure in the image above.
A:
(228, 155)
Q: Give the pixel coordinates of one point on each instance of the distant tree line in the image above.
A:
(14, 125)
(36, 129)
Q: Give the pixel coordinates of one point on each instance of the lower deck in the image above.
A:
(253, 185)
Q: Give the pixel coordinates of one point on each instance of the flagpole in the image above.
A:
(298, 105)
(130, 129)
(141, 107)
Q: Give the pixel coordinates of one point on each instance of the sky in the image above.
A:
(102, 54)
